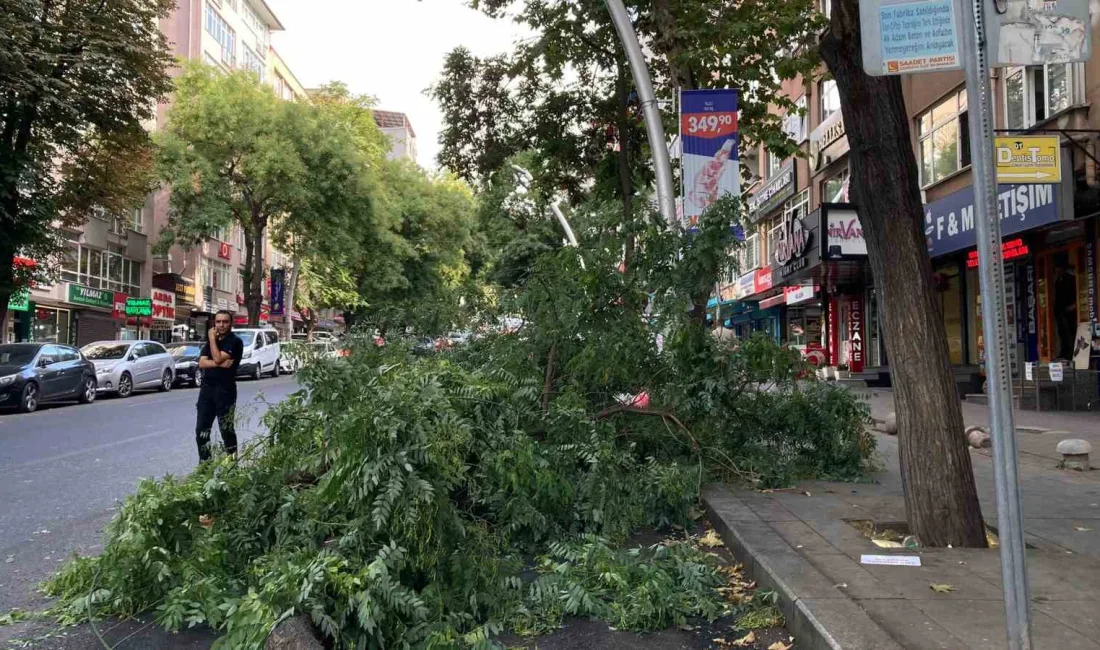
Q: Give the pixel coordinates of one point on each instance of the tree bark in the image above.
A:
(940, 498)
(254, 267)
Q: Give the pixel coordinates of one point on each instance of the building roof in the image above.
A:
(393, 120)
(267, 15)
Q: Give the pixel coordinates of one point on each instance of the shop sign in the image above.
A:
(801, 293)
(139, 307)
(762, 280)
(774, 301)
(1090, 260)
(79, 294)
(746, 284)
(184, 288)
(778, 189)
(20, 301)
(855, 334)
(1031, 308)
(828, 142)
(1029, 157)
(119, 309)
(208, 298)
(949, 223)
(845, 233)
(1029, 371)
(1010, 250)
(224, 251)
(726, 293)
(164, 305)
(798, 250)
(223, 303)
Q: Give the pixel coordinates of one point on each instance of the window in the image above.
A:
(796, 123)
(50, 355)
(253, 62)
(797, 206)
(750, 254)
(222, 33)
(775, 233)
(253, 21)
(68, 354)
(218, 276)
(835, 188)
(1035, 93)
(944, 139)
(101, 269)
(830, 98)
(222, 233)
(774, 163)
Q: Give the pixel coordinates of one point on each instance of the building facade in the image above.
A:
(109, 259)
(805, 278)
(398, 129)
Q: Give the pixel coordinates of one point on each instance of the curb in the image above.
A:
(819, 616)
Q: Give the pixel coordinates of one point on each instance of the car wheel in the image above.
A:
(196, 381)
(277, 370)
(29, 400)
(257, 371)
(125, 385)
(87, 394)
(166, 381)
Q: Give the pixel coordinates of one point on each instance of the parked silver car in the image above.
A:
(123, 366)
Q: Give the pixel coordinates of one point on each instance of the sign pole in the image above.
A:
(995, 329)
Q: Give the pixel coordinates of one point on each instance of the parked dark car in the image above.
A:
(187, 361)
(34, 373)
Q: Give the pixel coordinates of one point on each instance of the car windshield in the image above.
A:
(105, 350)
(185, 351)
(246, 337)
(17, 355)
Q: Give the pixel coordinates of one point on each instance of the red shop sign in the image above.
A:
(119, 309)
(164, 305)
(224, 251)
(855, 334)
(1010, 250)
(762, 280)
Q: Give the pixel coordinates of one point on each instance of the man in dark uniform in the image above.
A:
(218, 361)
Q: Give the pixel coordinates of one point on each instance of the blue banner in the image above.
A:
(709, 139)
(278, 290)
(949, 223)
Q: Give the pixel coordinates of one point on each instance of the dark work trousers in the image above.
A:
(216, 402)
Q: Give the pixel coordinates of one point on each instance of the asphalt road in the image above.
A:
(64, 470)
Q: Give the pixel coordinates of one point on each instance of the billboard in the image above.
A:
(708, 131)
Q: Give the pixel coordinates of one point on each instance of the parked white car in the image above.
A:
(262, 352)
(124, 366)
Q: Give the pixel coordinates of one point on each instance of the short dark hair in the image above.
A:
(227, 313)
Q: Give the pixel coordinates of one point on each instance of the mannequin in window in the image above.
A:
(1065, 307)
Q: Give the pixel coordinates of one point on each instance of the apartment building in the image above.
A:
(230, 34)
(804, 273)
(397, 127)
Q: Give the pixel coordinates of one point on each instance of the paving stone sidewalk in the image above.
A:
(799, 543)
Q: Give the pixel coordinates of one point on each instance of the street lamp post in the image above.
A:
(662, 168)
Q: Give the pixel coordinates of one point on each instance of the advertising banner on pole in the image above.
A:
(1034, 32)
(708, 130)
(278, 290)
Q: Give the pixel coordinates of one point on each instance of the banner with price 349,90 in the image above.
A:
(708, 131)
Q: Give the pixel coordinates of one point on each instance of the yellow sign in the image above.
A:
(1029, 159)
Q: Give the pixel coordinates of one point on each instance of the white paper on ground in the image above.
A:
(891, 560)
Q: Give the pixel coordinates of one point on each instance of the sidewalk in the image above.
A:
(799, 543)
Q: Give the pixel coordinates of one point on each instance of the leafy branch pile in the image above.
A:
(436, 502)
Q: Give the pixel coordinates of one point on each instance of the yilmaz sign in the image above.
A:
(949, 222)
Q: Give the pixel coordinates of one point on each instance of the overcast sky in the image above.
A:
(392, 49)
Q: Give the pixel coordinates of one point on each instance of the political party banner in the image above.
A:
(708, 131)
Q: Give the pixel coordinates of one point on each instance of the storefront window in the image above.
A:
(50, 325)
(944, 139)
(949, 292)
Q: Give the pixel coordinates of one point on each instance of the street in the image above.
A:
(66, 467)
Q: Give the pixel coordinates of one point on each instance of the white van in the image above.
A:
(261, 353)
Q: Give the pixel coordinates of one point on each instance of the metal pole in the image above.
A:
(995, 328)
(662, 168)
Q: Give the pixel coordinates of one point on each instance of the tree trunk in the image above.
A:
(254, 269)
(940, 499)
(288, 297)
